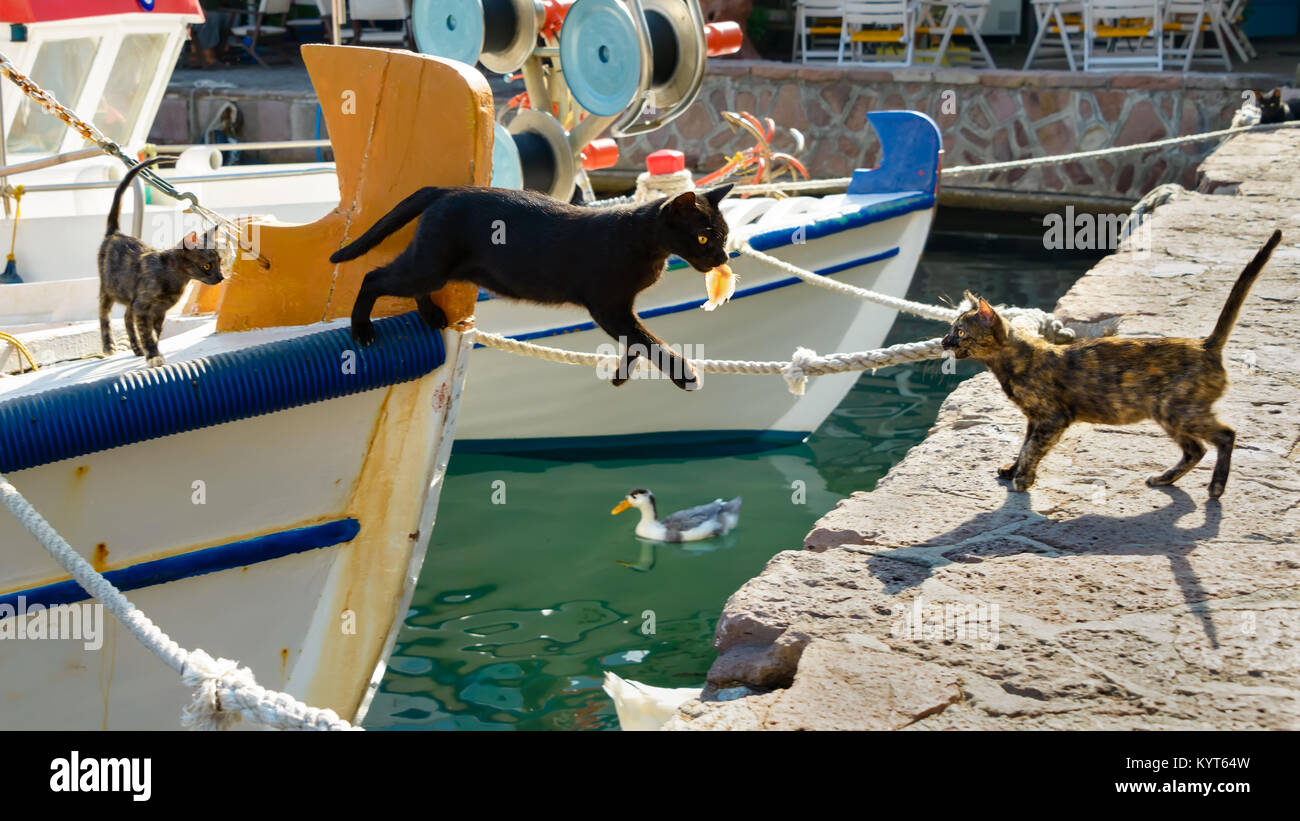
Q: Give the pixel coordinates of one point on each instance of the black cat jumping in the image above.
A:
(527, 246)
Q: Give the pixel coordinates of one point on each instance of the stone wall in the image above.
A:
(986, 116)
(266, 115)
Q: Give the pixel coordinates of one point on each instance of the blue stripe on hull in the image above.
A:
(664, 444)
(148, 403)
(198, 562)
(693, 304)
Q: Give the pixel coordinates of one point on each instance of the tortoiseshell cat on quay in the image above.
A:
(1111, 381)
(523, 245)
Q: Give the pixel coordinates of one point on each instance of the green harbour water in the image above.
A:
(531, 589)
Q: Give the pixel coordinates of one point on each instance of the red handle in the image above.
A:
(602, 153)
(555, 11)
(723, 38)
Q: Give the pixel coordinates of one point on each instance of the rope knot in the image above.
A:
(206, 675)
(796, 371)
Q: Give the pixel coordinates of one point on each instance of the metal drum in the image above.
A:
(449, 28)
(601, 55)
(499, 33)
(545, 157)
(678, 46)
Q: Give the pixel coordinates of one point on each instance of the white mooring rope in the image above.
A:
(223, 691)
(803, 364)
(831, 183)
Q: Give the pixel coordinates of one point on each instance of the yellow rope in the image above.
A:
(18, 212)
(22, 351)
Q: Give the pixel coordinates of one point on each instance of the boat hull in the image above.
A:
(289, 541)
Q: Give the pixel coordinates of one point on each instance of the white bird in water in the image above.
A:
(716, 518)
(642, 707)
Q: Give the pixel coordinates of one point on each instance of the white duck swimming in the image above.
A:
(642, 707)
(704, 522)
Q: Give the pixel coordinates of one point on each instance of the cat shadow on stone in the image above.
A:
(1151, 533)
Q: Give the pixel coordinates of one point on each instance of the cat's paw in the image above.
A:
(618, 381)
(1007, 471)
(1217, 488)
(363, 333)
(1022, 483)
(156, 362)
(691, 383)
(1158, 480)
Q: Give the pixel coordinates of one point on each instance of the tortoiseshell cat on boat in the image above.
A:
(1111, 381)
(527, 246)
(148, 281)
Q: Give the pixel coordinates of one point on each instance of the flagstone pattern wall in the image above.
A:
(999, 115)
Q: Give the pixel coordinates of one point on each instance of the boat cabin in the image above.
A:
(107, 60)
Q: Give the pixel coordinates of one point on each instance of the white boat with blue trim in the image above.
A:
(872, 237)
(267, 494)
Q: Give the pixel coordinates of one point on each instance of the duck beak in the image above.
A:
(622, 506)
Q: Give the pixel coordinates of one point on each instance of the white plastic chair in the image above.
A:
(812, 28)
(383, 10)
(1062, 18)
(1232, 19)
(962, 18)
(1192, 20)
(1114, 21)
(879, 23)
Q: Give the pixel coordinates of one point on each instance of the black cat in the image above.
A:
(527, 246)
(1273, 109)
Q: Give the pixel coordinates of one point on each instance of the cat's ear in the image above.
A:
(1259, 98)
(715, 195)
(682, 204)
(985, 312)
(191, 241)
(989, 319)
(1276, 96)
(971, 298)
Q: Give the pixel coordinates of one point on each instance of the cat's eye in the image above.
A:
(961, 333)
(703, 239)
(207, 266)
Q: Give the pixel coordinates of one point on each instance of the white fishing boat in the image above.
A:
(265, 496)
(872, 237)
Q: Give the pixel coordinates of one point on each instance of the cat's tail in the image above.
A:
(1228, 316)
(405, 211)
(116, 208)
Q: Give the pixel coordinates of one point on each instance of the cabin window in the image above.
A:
(128, 84)
(61, 68)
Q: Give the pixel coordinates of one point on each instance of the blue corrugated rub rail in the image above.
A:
(148, 403)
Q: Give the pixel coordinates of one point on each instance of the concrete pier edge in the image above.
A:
(943, 600)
